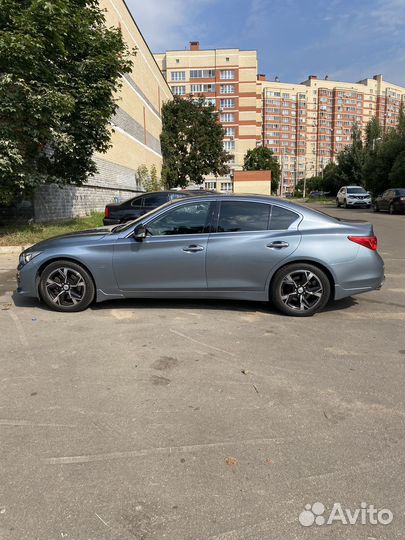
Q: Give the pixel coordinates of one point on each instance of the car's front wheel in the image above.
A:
(337, 203)
(391, 209)
(300, 289)
(66, 286)
(376, 207)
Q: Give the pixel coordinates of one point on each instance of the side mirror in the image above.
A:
(139, 232)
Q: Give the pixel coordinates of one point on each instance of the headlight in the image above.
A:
(27, 256)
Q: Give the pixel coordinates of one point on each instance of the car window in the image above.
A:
(400, 192)
(138, 201)
(238, 216)
(155, 200)
(186, 219)
(356, 190)
(281, 218)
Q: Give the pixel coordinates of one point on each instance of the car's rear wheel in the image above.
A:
(300, 289)
(66, 286)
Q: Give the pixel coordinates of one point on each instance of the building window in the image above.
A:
(178, 75)
(210, 185)
(227, 117)
(226, 186)
(209, 101)
(177, 61)
(202, 73)
(196, 88)
(179, 90)
(227, 103)
(227, 88)
(229, 145)
(227, 74)
(230, 132)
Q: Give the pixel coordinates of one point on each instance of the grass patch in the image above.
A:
(24, 234)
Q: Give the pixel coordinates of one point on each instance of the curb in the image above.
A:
(11, 250)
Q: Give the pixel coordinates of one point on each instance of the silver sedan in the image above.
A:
(224, 246)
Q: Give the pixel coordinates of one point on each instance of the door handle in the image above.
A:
(278, 244)
(193, 248)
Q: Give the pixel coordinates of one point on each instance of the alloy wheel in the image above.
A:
(301, 290)
(65, 287)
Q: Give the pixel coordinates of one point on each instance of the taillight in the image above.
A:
(107, 212)
(369, 242)
(402, 198)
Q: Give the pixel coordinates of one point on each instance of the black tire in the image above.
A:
(345, 203)
(391, 209)
(337, 203)
(66, 286)
(376, 208)
(294, 273)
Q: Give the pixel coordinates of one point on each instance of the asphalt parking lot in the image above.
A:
(179, 419)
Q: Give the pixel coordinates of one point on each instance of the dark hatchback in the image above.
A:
(142, 204)
(392, 201)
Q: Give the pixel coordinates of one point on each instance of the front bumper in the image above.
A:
(27, 282)
(358, 202)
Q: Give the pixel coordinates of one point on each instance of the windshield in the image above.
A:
(129, 224)
(356, 190)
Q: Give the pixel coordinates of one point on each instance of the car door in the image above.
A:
(172, 256)
(250, 238)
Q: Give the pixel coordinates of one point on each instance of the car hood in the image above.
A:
(92, 235)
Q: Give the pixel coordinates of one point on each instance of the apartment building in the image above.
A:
(225, 78)
(135, 138)
(307, 124)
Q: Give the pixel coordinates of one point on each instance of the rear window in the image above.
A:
(155, 200)
(400, 192)
(281, 218)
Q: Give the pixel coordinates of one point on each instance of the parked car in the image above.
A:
(214, 246)
(316, 194)
(116, 213)
(351, 196)
(392, 200)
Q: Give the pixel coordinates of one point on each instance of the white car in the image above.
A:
(349, 196)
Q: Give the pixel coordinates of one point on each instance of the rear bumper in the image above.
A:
(111, 221)
(365, 273)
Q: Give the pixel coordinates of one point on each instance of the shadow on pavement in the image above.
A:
(161, 304)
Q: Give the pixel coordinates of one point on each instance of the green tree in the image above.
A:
(384, 164)
(314, 183)
(142, 176)
(373, 134)
(263, 159)
(151, 180)
(60, 67)
(192, 143)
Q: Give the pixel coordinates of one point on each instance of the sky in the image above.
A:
(347, 40)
